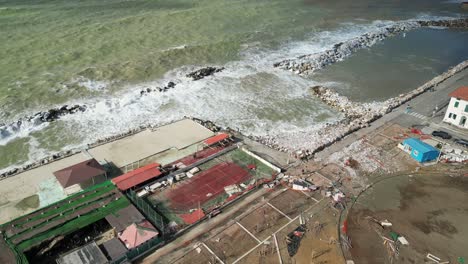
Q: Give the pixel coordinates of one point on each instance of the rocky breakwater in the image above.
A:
(203, 72)
(309, 63)
(29, 122)
(196, 75)
(452, 23)
(312, 62)
(357, 116)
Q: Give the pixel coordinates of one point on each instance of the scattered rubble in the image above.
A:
(294, 239)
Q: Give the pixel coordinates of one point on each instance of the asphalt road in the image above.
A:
(421, 115)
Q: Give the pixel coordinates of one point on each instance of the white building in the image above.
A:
(457, 110)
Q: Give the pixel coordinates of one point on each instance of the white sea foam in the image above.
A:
(92, 85)
(249, 95)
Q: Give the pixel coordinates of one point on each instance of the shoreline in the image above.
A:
(306, 64)
(359, 115)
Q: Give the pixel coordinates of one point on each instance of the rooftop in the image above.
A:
(79, 172)
(88, 254)
(124, 217)
(135, 177)
(460, 93)
(137, 234)
(114, 248)
(421, 146)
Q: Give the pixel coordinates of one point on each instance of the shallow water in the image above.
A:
(101, 53)
(397, 65)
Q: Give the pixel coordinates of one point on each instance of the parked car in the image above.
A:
(441, 134)
(461, 142)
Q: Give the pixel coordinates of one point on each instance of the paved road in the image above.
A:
(422, 107)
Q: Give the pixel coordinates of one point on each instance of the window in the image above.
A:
(466, 108)
(450, 115)
(456, 104)
(454, 116)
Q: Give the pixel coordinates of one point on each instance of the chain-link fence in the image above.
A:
(154, 217)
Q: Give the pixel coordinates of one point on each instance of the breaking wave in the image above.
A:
(249, 95)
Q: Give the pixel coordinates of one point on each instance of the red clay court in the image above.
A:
(190, 192)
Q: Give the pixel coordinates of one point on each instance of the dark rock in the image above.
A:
(203, 72)
(171, 84)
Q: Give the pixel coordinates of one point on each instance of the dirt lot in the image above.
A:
(263, 222)
(429, 209)
(264, 254)
(292, 202)
(198, 255)
(231, 243)
(316, 246)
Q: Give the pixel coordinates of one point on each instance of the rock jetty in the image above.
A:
(357, 115)
(50, 115)
(309, 63)
(203, 72)
(148, 90)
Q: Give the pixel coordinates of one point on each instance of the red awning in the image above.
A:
(215, 139)
(133, 178)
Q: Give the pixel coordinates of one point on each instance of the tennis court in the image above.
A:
(206, 185)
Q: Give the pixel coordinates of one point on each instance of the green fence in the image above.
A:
(154, 217)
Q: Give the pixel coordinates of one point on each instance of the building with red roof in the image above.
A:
(80, 176)
(138, 176)
(457, 109)
(216, 139)
(137, 234)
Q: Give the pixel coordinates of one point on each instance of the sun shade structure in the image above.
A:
(79, 176)
(138, 176)
(216, 139)
(136, 234)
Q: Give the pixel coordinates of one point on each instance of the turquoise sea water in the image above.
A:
(102, 52)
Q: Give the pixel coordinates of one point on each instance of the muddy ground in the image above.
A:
(430, 209)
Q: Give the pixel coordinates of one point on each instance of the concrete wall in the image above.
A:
(454, 115)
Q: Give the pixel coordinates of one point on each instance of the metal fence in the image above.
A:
(154, 217)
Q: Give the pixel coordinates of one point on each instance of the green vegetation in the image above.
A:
(244, 159)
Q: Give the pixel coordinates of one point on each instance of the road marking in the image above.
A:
(211, 251)
(278, 210)
(321, 175)
(277, 249)
(245, 229)
(261, 243)
(417, 115)
(310, 196)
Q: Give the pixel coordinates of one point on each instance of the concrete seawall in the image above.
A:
(63, 154)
